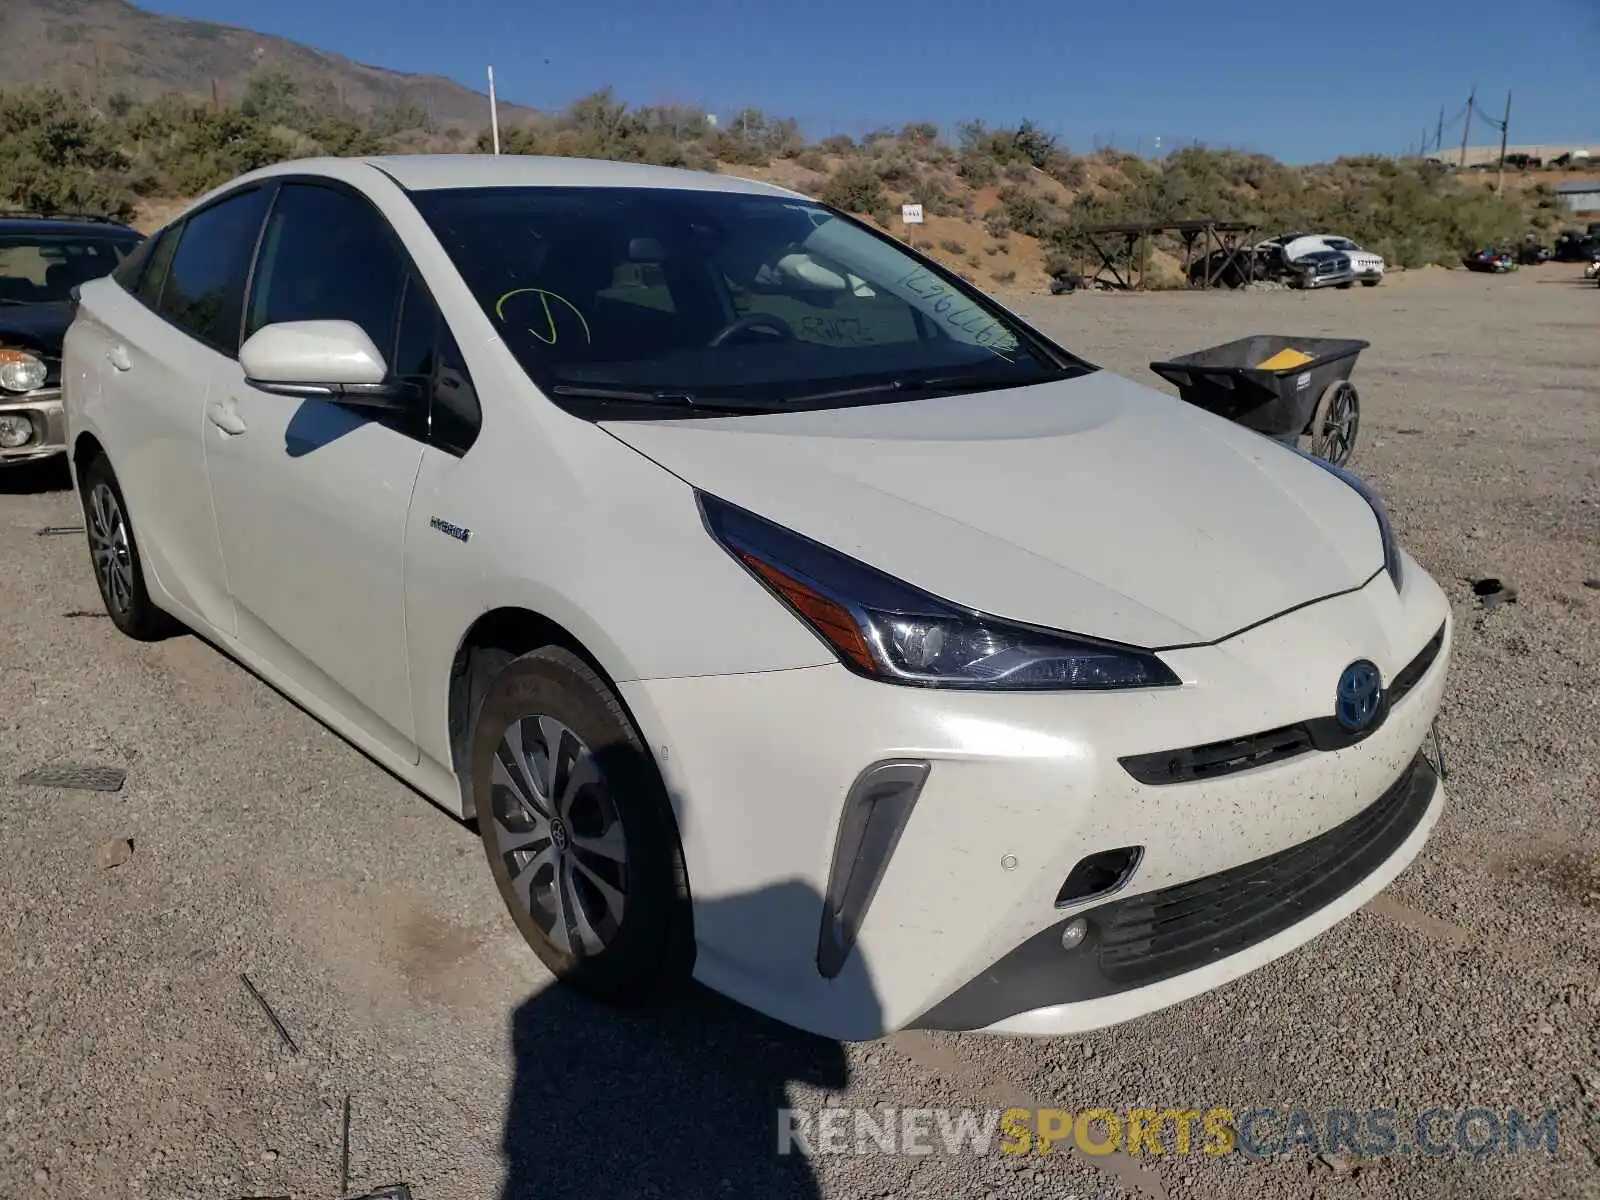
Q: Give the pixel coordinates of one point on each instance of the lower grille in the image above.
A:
(1161, 934)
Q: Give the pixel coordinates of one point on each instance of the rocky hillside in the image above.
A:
(109, 46)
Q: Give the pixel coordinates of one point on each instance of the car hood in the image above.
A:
(1093, 505)
(38, 326)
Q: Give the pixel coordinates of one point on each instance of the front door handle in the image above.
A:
(225, 417)
(118, 357)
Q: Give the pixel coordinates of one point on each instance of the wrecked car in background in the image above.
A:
(43, 258)
(1366, 267)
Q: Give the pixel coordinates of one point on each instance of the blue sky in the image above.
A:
(1293, 78)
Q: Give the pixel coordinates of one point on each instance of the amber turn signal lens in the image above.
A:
(829, 619)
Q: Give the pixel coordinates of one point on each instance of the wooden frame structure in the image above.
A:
(1128, 263)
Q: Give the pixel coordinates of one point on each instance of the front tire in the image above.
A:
(579, 833)
(1370, 282)
(114, 552)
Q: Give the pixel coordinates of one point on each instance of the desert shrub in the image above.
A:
(977, 168)
(839, 143)
(991, 249)
(1030, 213)
(732, 148)
(1066, 170)
(933, 191)
(811, 161)
(952, 246)
(998, 225)
(1060, 260)
(1004, 276)
(854, 188)
(923, 243)
(895, 169)
(272, 98)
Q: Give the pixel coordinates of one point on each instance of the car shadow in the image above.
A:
(36, 478)
(682, 1101)
(317, 423)
(679, 1099)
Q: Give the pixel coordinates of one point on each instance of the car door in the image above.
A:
(311, 496)
(162, 341)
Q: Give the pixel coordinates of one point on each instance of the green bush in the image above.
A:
(977, 168)
(1030, 213)
(856, 189)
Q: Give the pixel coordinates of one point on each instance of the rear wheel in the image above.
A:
(114, 551)
(578, 830)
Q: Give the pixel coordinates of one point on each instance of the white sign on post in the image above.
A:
(911, 214)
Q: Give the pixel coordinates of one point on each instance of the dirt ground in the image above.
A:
(134, 1062)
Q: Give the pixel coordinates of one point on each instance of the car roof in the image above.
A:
(430, 172)
(44, 224)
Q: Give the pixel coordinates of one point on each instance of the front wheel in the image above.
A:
(1370, 282)
(578, 830)
(114, 551)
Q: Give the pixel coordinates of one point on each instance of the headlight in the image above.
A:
(888, 630)
(20, 371)
(1391, 545)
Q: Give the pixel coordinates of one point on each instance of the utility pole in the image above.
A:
(1438, 138)
(1505, 132)
(494, 114)
(1466, 127)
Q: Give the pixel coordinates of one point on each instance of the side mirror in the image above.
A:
(322, 360)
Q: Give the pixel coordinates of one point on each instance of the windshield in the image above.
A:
(683, 296)
(43, 268)
(1341, 243)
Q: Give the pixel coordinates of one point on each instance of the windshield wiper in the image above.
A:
(665, 396)
(926, 383)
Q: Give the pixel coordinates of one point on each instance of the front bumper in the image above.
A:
(1311, 282)
(44, 412)
(1195, 936)
(1020, 789)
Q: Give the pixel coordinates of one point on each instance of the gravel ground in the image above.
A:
(134, 1063)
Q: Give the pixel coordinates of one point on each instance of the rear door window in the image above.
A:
(155, 274)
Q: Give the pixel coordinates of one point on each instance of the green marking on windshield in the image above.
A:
(550, 318)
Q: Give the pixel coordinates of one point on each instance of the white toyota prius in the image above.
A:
(785, 612)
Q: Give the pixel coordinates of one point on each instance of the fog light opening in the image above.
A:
(1099, 875)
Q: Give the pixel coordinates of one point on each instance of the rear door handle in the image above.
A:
(118, 357)
(225, 417)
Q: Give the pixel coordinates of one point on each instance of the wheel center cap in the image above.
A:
(558, 833)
